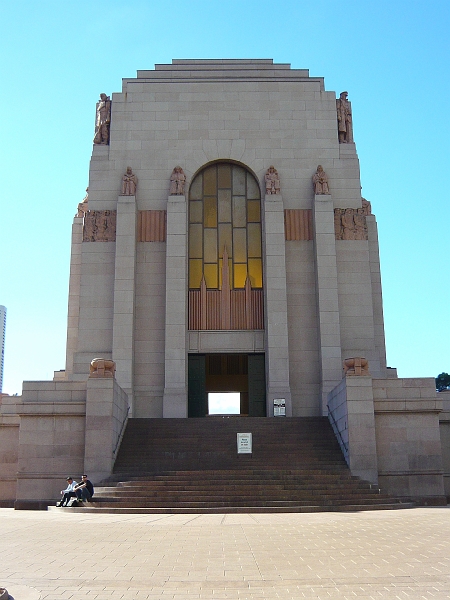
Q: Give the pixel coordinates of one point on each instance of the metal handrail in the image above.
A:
(336, 429)
(119, 438)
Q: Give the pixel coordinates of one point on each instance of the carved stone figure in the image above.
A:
(99, 226)
(356, 366)
(359, 219)
(320, 182)
(348, 225)
(102, 367)
(102, 120)
(83, 205)
(177, 182)
(366, 206)
(272, 180)
(129, 183)
(344, 119)
(338, 212)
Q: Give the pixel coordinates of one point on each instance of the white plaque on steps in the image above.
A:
(244, 443)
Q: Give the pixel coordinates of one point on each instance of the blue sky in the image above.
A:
(392, 57)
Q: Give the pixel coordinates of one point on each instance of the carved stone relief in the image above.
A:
(102, 367)
(83, 206)
(344, 119)
(356, 366)
(129, 183)
(350, 224)
(320, 182)
(272, 181)
(99, 226)
(366, 206)
(177, 182)
(102, 120)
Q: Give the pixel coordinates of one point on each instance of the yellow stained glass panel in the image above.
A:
(255, 272)
(225, 239)
(240, 245)
(211, 276)
(210, 211)
(240, 275)
(210, 245)
(195, 241)
(254, 240)
(224, 176)
(196, 212)
(239, 211)
(195, 192)
(224, 201)
(254, 211)
(210, 181)
(195, 273)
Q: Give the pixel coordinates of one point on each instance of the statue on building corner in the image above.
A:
(320, 182)
(102, 120)
(83, 206)
(344, 119)
(272, 181)
(177, 182)
(129, 183)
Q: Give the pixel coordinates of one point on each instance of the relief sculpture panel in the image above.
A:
(99, 226)
(350, 223)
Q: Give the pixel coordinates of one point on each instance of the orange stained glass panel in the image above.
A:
(224, 201)
(225, 239)
(210, 181)
(254, 211)
(239, 211)
(210, 211)
(196, 212)
(195, 191)
(254, 240)
(210, 246)
(211, 276)
(195, 273)
(240, 275)
(240, 245)
(195, 241)
(255, 272)
(224, 176)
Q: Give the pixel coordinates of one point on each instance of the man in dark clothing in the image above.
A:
(84, 490)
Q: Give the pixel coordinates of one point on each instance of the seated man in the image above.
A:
(68, 493)
(84, 490)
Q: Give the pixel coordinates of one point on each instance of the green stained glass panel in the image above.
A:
(196, 212)
(195, 192)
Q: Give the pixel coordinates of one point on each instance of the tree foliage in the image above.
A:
(443, 382)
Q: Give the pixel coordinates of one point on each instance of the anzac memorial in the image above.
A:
(224, 246)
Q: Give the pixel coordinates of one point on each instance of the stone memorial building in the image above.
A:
(224, 246)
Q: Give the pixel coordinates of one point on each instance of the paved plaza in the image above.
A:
(60, 555)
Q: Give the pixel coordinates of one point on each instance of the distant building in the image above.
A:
(3, 329)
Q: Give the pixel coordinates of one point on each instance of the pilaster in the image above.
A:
(277, 348)
(327, 295)
(73, 316)
(175, 382)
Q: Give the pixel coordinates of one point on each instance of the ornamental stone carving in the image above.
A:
(366, 206)
(177, 182)
(344, 119)
(83, 205)
(129, 183)
(356, 366)
(102, 368)
(102, 120)
(99, 226)
(272, 181)
(350, 224)
(320, 182)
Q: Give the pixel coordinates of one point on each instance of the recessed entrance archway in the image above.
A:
(239, 373)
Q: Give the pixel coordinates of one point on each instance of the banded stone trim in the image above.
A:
(152, 226)
(298, 224)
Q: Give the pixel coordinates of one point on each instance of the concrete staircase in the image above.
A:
(192, 466)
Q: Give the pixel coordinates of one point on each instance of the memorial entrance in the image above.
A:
(242, 374)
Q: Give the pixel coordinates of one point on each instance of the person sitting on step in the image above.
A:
(68, 493)
(84, 490)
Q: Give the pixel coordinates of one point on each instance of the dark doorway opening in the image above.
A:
(238, 373)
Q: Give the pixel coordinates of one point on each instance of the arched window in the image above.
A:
(225, 219)
(225, 249)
